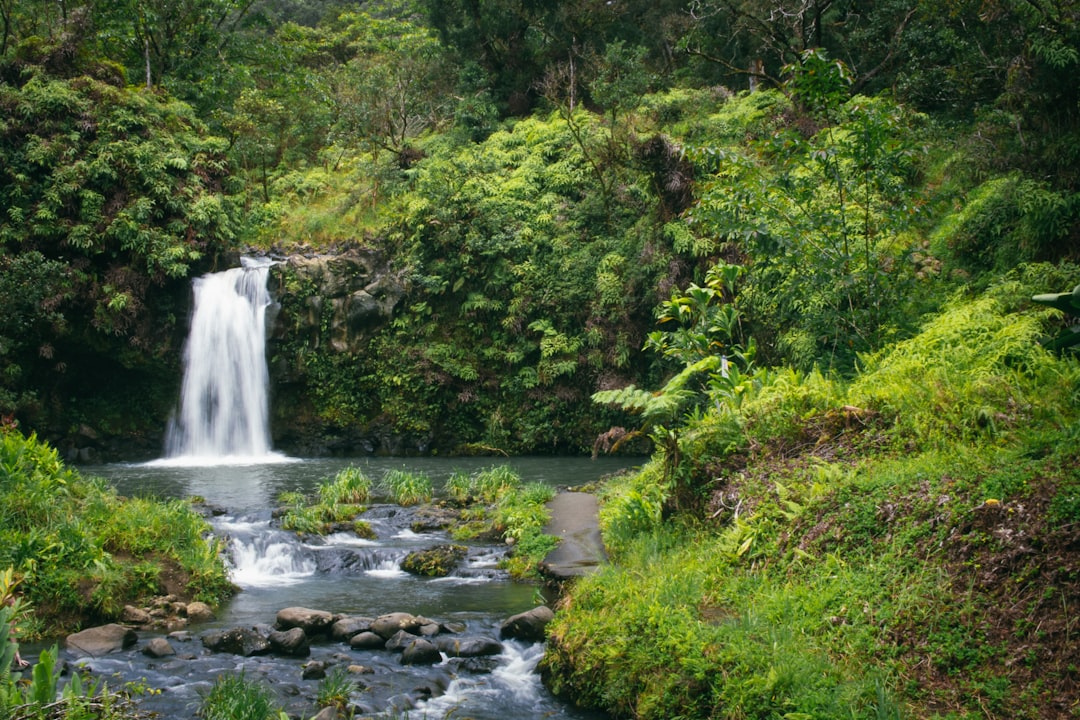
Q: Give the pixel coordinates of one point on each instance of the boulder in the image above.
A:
(158, 647)
(529, 625)
(98, 641)
(471, 647)
(438, 561)
(312, 622)
(238, 641)
(366, 641)
(428, 518)
(199, 612)
(292, 642)
(348, 627)
(386, 626)
(421, 652)
(134, 616)
(400, 641)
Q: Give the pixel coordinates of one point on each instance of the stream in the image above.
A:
(344, 574)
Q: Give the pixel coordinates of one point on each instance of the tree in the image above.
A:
(395, 86)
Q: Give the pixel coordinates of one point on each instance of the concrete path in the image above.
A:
(574, 521)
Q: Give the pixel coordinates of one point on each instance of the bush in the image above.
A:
(78, 549)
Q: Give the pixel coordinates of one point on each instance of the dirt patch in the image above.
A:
(1019, 573)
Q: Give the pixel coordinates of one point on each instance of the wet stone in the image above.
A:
(238, 641)
(158, 647)
(366, 641)
(388, 625)
(310, 621)
(293, 642)
(314, 670)
(421, 652)
(400, 641)
(348, 627)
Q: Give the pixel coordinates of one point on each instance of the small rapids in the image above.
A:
(345, 575)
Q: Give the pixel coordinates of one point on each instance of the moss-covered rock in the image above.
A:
(438, 561)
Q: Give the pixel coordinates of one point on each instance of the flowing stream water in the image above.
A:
(218, 448)
(345, 574)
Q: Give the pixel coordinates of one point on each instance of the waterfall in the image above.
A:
(224, 408)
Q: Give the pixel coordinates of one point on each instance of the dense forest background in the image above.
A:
(548, 180)
(789, 247)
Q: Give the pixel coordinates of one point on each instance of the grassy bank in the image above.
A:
(904, 544)
(79, 552)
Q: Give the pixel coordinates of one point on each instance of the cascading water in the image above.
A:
(224, 408)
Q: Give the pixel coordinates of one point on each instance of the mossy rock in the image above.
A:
(438, 561)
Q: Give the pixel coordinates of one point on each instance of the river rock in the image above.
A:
(420, 652)
(438, 561)
(238, 641)
(529, 625)
(312, 622)
(347, 627)
(158, 647)
(199, 612)
(314, 670)
(330, 712)
(428, 518)
(134, 616)
(399, 641)
(386, 626)
(476, 665)
(98, 641)
(292, 642)
(471, 647)
(366, 641)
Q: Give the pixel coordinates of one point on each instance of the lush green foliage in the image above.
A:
(406, 488)
(110, 197)
(880, 249)
(835, 577)
(81, 552)
(339, 501)
(234, 697)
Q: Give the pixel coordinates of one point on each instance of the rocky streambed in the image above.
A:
(315, 609)
(395, 663)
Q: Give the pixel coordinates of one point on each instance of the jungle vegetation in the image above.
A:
(789, 248)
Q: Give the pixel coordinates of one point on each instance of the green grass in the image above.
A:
(883, 548)
(407, 488)
(234, 697)
(338, 501)
(81, 552)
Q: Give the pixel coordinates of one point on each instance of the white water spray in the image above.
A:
(224, 407)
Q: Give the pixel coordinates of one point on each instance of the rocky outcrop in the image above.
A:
(334, 300)
(328, 306)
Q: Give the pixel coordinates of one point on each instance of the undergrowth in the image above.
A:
(80, 552)
(901, 545)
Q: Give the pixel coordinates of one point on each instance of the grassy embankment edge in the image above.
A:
(79, 552)
(901, 545)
